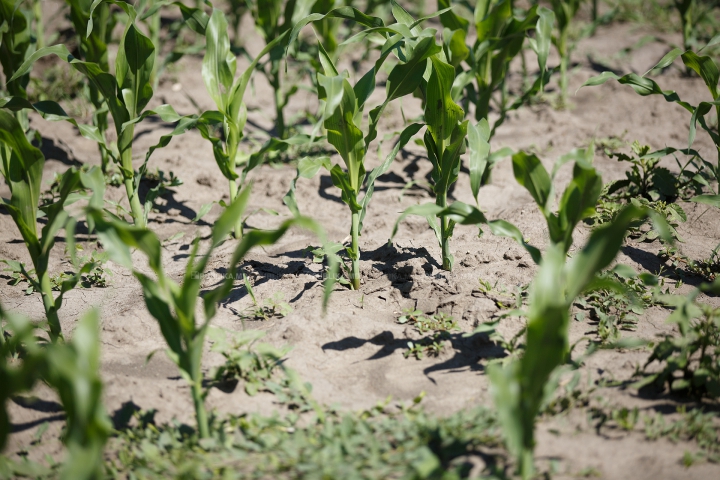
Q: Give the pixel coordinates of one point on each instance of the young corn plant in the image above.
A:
(343, 113)
(706, 68)
(22, 166)
(344, 106)
(72, 370)
(173, 305)
(445, 141)
(500, 33)
(126, 95)
(94, 48)
(218, 72)
(273, 19)
(521, 387)
(565, 11)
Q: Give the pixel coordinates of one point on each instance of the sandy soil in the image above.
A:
(353, 356)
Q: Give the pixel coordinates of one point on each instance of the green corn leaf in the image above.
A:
(429, 211)
(346, 137)
(667, 60)
(713, 200)
(73, 370)
(580, 196)
(402, 16)
(407, 134)
(238, 89)
(343, 181)
(543, 32)
(307, 168)
(347, 13)
(103, 81)
(219, 64)
(441, 113)
(602, 247)
(118, 237)
(706, 68)
(698, 116)
(642, 86)
(478, 143)
(457, 51)
(530, 173)
(22, 167)
(403, 80)
(126, 7)
(53, 112)
(449, 19)
(133, 70)
(55, 214)
(227, 221)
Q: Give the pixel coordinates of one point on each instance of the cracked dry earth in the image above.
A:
(353, 355)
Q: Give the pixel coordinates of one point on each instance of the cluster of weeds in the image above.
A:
(439, 326)
(375, 443)
(273, 307)
(651, 186)
(245, 360)
(708, 268)
(617, 309)
(94, 274)
(689, 363)
(651, 181)
(694, 425)
(568, 395)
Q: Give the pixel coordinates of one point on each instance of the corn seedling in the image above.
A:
(446, 131)
(693, 14)
(174, 305)
(218, 72)
(519, 387)
(72, 370)
(445, 141)
(22, 166)
(565, 11)
(94, 48)
(500, 33)
(274, 19)
(126, 95)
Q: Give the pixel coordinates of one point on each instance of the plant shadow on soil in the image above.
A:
(468, 350)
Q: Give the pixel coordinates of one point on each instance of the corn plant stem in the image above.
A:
(200, 412)
(441, 201)
(527, 469)
(279, 101)
(49, 306)
(355, 232)
(232, 148)
(564, 61)
(125, 147)
(100, 121)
